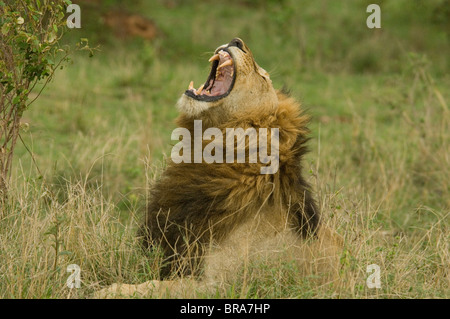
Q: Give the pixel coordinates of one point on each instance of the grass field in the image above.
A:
(379, 159)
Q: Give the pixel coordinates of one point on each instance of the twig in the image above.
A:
(31, 154)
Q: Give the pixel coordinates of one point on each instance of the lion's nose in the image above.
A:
(236, 42)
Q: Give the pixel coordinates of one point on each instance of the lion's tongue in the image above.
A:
(221, 84)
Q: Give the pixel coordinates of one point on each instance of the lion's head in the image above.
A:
(236, 83)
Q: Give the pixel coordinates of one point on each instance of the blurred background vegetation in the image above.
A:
(378, 97)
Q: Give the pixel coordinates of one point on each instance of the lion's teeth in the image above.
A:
(224, 53)
(224, 64)
(200, 89)
(214, 57)
(191, 85)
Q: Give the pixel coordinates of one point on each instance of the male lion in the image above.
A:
(209, 218)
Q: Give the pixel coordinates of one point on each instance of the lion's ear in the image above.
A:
(262, 72)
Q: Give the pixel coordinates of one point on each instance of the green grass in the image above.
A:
(379, 159)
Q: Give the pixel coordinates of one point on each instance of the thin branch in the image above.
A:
(31, 154)
(49, 78)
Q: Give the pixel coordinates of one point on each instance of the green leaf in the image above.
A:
(5, 29)
(51, 37)
(16, 100)
(9, 88)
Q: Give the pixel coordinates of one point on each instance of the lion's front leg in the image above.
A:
(182, 288)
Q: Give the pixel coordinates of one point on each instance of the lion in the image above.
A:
(208, 218)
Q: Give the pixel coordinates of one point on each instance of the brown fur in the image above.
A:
(196, 205)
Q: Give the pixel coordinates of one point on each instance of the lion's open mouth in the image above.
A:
(220, 80)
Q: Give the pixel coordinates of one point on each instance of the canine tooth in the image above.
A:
(224, 64)
(200, 89)
(214, 57)
(191, 85)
